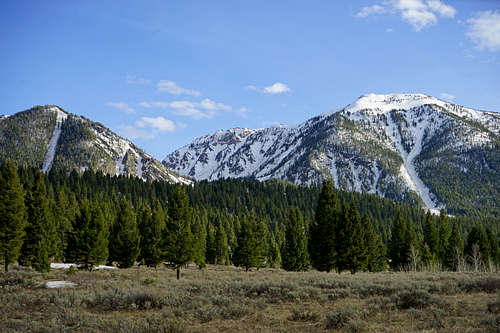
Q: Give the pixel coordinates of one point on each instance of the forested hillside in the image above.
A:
(131, 219)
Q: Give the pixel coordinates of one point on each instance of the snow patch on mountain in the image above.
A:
(52, 145)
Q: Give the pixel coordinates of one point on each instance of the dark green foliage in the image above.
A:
(249, 252)
(444, 235)
(12, 214)
(211, 248)
(151, 226)
(88, 243)
(350, 242)
(125, 237)
(40, 231)
(493, 246)
(478, 236)
(294, 254)
(455, 248)
(398, 246)
(322, 231)
(375, 248)
(221, 247)
(178, 240)
(431, 235)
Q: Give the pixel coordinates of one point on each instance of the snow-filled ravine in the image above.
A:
(51, 148)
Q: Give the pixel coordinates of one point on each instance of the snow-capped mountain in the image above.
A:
(402, 146)
(48, 137)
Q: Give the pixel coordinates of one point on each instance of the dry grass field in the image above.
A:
(225, 299)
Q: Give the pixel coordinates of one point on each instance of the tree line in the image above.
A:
(90, 219)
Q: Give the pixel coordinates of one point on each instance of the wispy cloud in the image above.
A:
(484, 30)
(371, 10)
(447, 97)
(172, 88)
(204, 109)
(276, 88)
(137, 80)
(419, 14)
(147, 128)
(242, 112)
(159, 123)
(121, 106)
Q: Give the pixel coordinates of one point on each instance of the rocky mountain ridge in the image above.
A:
(408, 147)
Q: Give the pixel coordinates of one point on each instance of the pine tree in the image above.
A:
(40, 230)
(210, 244)
(178, 238)
(431, 235)
(493, 246)
(124, 245)
(274, 251)
(151, 226)
(477, 236)
(398, 245)
(12, 214)
(427, 256)
(375, 248)
(350, 243)
(455, 247)
(221, 247)
(88, 242)
(444, 235)
(249, 251)
(200, 242)
(294, 254)
(322, 231)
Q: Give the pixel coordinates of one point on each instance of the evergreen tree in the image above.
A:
(350, 243)
(427, 256)
(455, 247)
(294, 254)
(477, 236)
(398, 245)
(12, 214)
(40, 230)
(200, 241)
(151, 226)
(221, 247)
(375, 248)
(493, 246)
(431, 235)
(249, 251)
(63, 213)
(88, 242)
(178, 238)
(274, 251)
(322, 231)
(211, 247)
(124, 245)
(444, 235)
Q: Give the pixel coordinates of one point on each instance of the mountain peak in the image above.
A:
(388, 102)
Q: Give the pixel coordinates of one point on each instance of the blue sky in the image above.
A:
(162, 73)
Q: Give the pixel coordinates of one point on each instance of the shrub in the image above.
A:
(303, 315)
(417, 299)
(338, 319)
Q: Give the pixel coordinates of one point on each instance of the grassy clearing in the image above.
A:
(225, 299)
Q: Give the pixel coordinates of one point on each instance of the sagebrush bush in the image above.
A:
(417, 299)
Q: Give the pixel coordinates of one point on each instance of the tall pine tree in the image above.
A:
(322, 231)
(249, 251)
(398, 245)
(375, 248)
(40, 231)
(294, 253)
(221, 247)
(151, 226)
(88, 241)
(12, 214)
(350, 243)
(124, 244)
(178, 240)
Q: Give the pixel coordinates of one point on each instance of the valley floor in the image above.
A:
(226, 299)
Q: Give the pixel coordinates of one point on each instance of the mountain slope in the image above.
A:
(408, 147)
(48, 137)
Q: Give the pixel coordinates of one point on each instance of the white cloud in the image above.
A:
(132, 132)
(208, 104)
(242, 112)
(181, 124)
(484, 30)
(172, 88)
(159, 123)
(137, 80)
(442, 9)
(277, 88)
(417, 13)
(371, 10)
(389, 30)
(447, 97)
(197, 110)
(121, 106)
(251, 87)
